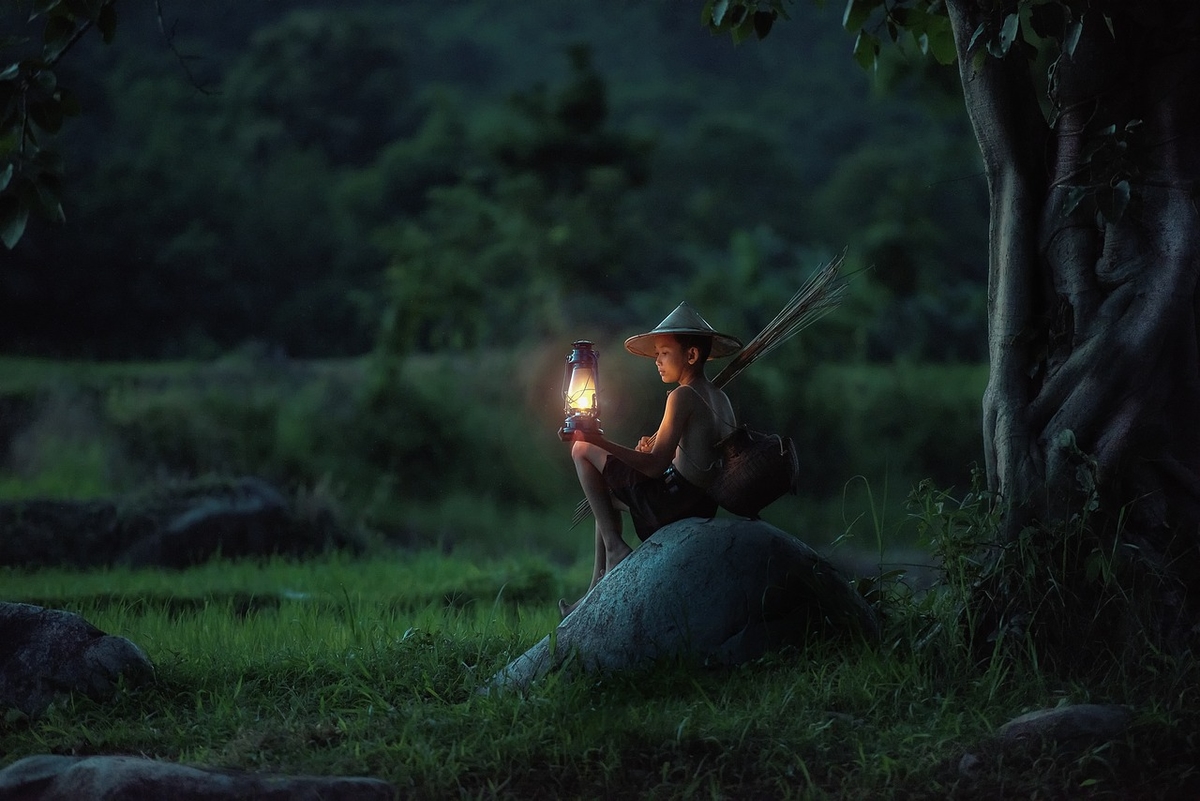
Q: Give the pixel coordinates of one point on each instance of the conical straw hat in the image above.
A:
(684, 320)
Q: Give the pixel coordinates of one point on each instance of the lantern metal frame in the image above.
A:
(583, 365)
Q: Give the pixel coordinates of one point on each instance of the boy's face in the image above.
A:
(671, 360)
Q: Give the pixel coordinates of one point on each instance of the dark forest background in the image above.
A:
(320, 176)
(382, 224)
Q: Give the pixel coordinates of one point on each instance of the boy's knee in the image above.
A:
(579, 450)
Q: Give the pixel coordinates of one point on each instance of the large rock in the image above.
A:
(45, 653)
(122, 778)
(715, 591)
(245, 517)
(173, 526)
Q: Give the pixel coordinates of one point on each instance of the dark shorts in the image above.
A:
(656, 501)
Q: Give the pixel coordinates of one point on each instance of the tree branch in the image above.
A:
(169, 40)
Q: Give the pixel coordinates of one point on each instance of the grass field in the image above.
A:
(371, 667)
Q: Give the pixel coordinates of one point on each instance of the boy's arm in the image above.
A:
(658, 459)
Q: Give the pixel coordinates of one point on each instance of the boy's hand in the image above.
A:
(645, 445)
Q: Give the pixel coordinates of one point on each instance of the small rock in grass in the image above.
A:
(1066, 730)
(1071, 728)
(123, 778)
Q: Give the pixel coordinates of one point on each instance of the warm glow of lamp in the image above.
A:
(581, 390)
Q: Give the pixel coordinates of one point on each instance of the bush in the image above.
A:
(391, 440)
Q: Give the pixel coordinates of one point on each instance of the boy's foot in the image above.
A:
(616, 557)
(565, 608)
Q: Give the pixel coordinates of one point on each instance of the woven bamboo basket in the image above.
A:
(756, 470)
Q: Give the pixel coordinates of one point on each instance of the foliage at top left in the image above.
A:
(33, 104)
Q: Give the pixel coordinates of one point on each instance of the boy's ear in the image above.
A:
(692, 355)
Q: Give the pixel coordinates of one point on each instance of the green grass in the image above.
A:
(370, 667)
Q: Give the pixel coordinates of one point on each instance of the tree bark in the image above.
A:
(1091, 411)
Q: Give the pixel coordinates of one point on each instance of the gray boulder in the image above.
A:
(45, 653)
(187, 526)
(1071, 728)
(718, 592)
(174, 526)
(122, 778)
(1066, 730)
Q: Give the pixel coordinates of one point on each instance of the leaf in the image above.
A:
(47, 115)
(1074, 31)
(739, 23)
(940, 37)
(6, 175)
(9, 140)
(46, 80)
(737, 15)
(744, 28)
(763, 20)
(718, 11)
(1074, 197)
(1049, 20)
(1094, 145)
(866, 50)
(106, 21)
(47, 193)
(42, 6)
(900, 16)
(13, 217)
(1008, 34)
(58, 33)
(980, 31)
(1121, 193)
(857, 13)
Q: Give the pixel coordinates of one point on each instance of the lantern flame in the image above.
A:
(581, 394)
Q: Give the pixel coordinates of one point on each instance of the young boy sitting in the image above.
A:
(666, 477)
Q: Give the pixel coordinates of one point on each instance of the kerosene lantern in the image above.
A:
(581, 390)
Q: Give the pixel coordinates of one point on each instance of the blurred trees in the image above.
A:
(539, 231)
(405, 174)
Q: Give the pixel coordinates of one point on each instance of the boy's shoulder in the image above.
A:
(692, 393)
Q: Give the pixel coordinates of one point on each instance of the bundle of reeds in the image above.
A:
(818, 296)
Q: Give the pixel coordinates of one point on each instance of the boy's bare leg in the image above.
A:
(589, 466)
(598, 565)
(600, 562)
(611, 548)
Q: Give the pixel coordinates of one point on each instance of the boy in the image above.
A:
(666, 476)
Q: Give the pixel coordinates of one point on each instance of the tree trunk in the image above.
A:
(1091, 421)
